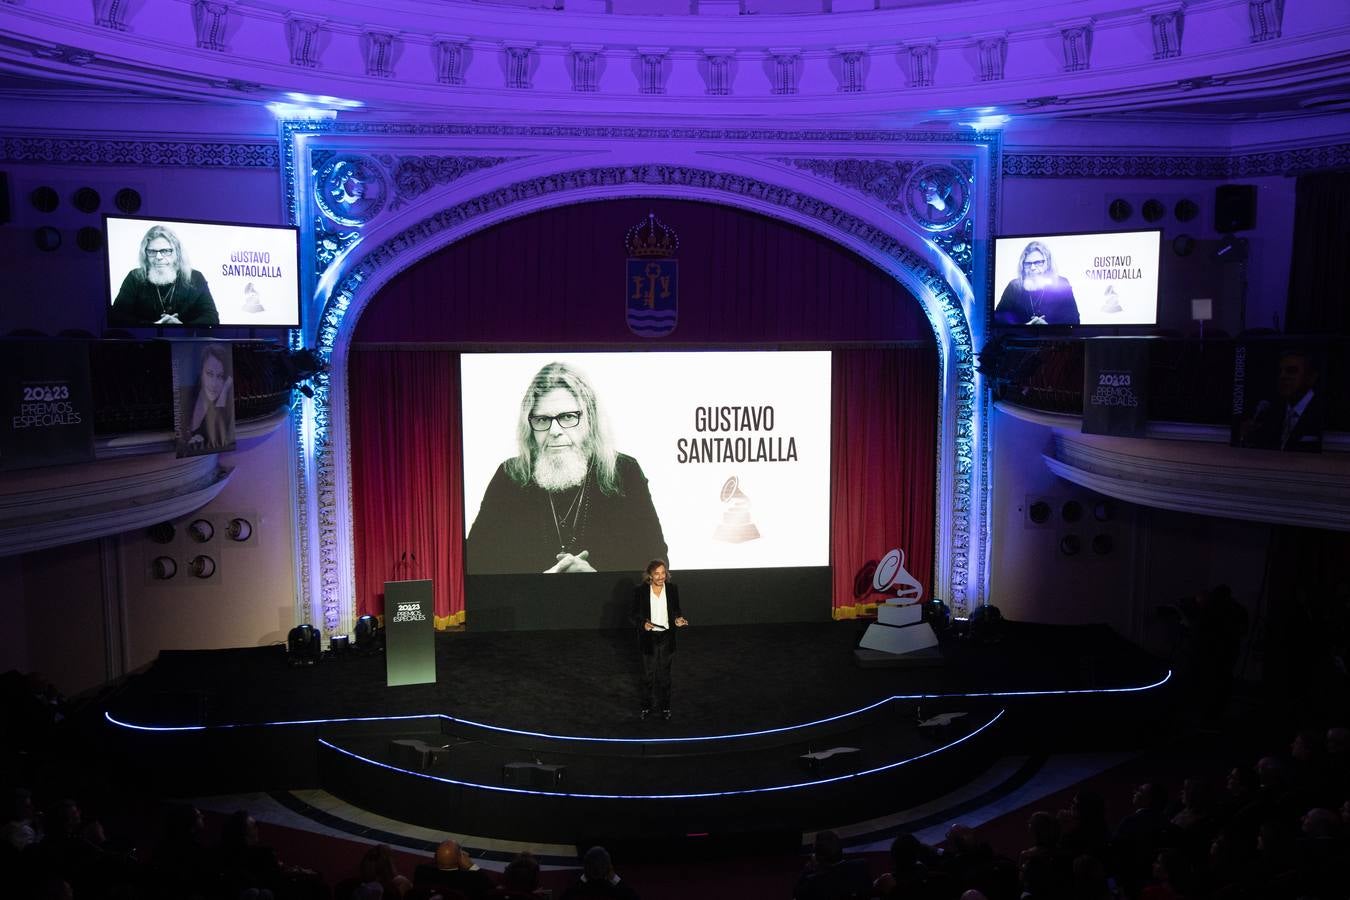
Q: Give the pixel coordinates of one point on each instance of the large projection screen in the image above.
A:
(735, 451)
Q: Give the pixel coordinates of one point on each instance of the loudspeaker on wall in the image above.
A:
(1234, 208)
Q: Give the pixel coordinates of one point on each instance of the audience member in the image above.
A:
(377, 867)
(454, 870)
(520, 879)
(829, 875)
(598, 879)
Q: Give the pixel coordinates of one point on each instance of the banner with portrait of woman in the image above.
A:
(203, 392)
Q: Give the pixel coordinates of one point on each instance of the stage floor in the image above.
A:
(749, 703)
(586, 683)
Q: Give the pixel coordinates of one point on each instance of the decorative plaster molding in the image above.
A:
(210, 18)
(1232, 483)
(415, 175)
(1076, 39)
(107, 500)
(379, 47)
(1245, 165)
(920, 64)
(786, 66)
(1267, 18)
(851, 71)
(653, 66)
(519, 61)
(111, 14)
(993, 50)
(303, 37)
(451, 57)
(1168, 24)
(71, 56)
(86, 152)
(585, 68)
(938, 198)
(717, 72)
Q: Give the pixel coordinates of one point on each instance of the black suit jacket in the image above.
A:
(642, 612)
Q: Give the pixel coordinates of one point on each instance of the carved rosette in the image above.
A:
(937, 196)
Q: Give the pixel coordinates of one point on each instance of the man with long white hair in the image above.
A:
(567, 501)
(163, 289)
(1038, 294)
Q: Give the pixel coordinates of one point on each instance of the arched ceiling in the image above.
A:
(841, 62)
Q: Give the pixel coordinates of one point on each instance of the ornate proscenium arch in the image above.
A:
(350, 278)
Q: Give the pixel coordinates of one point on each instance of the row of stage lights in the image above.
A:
(303, 647)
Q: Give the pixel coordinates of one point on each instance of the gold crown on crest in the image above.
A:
(651, 238)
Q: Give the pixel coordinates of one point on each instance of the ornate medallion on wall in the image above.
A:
(350, 190)
(937, 197)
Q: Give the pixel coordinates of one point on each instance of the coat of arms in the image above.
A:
(651, 283)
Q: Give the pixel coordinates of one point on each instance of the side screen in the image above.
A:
(170, 273)
(1100, 279)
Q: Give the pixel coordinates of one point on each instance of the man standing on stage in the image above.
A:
(567, 501)
(656, 609)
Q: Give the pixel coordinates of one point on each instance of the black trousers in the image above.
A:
(656, 671)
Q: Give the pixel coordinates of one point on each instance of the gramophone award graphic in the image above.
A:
(899, 636)
(736, 526)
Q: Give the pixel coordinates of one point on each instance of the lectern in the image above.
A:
(409, 635)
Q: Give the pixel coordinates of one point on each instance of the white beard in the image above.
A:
(1037, 282)
(160, 276)
(560, 470)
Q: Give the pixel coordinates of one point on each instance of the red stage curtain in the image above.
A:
(407, 490)
(883, 449)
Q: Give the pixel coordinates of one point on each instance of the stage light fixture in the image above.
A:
(202, 567)
(201, 531)
(986, 624)
(302, 645)
(938, 615)
(162, 568)
(239, 529)
(339, 644)
(369, 637)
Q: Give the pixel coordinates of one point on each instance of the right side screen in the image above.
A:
(1102, 279)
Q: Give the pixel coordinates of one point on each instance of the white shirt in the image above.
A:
(657, 616)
